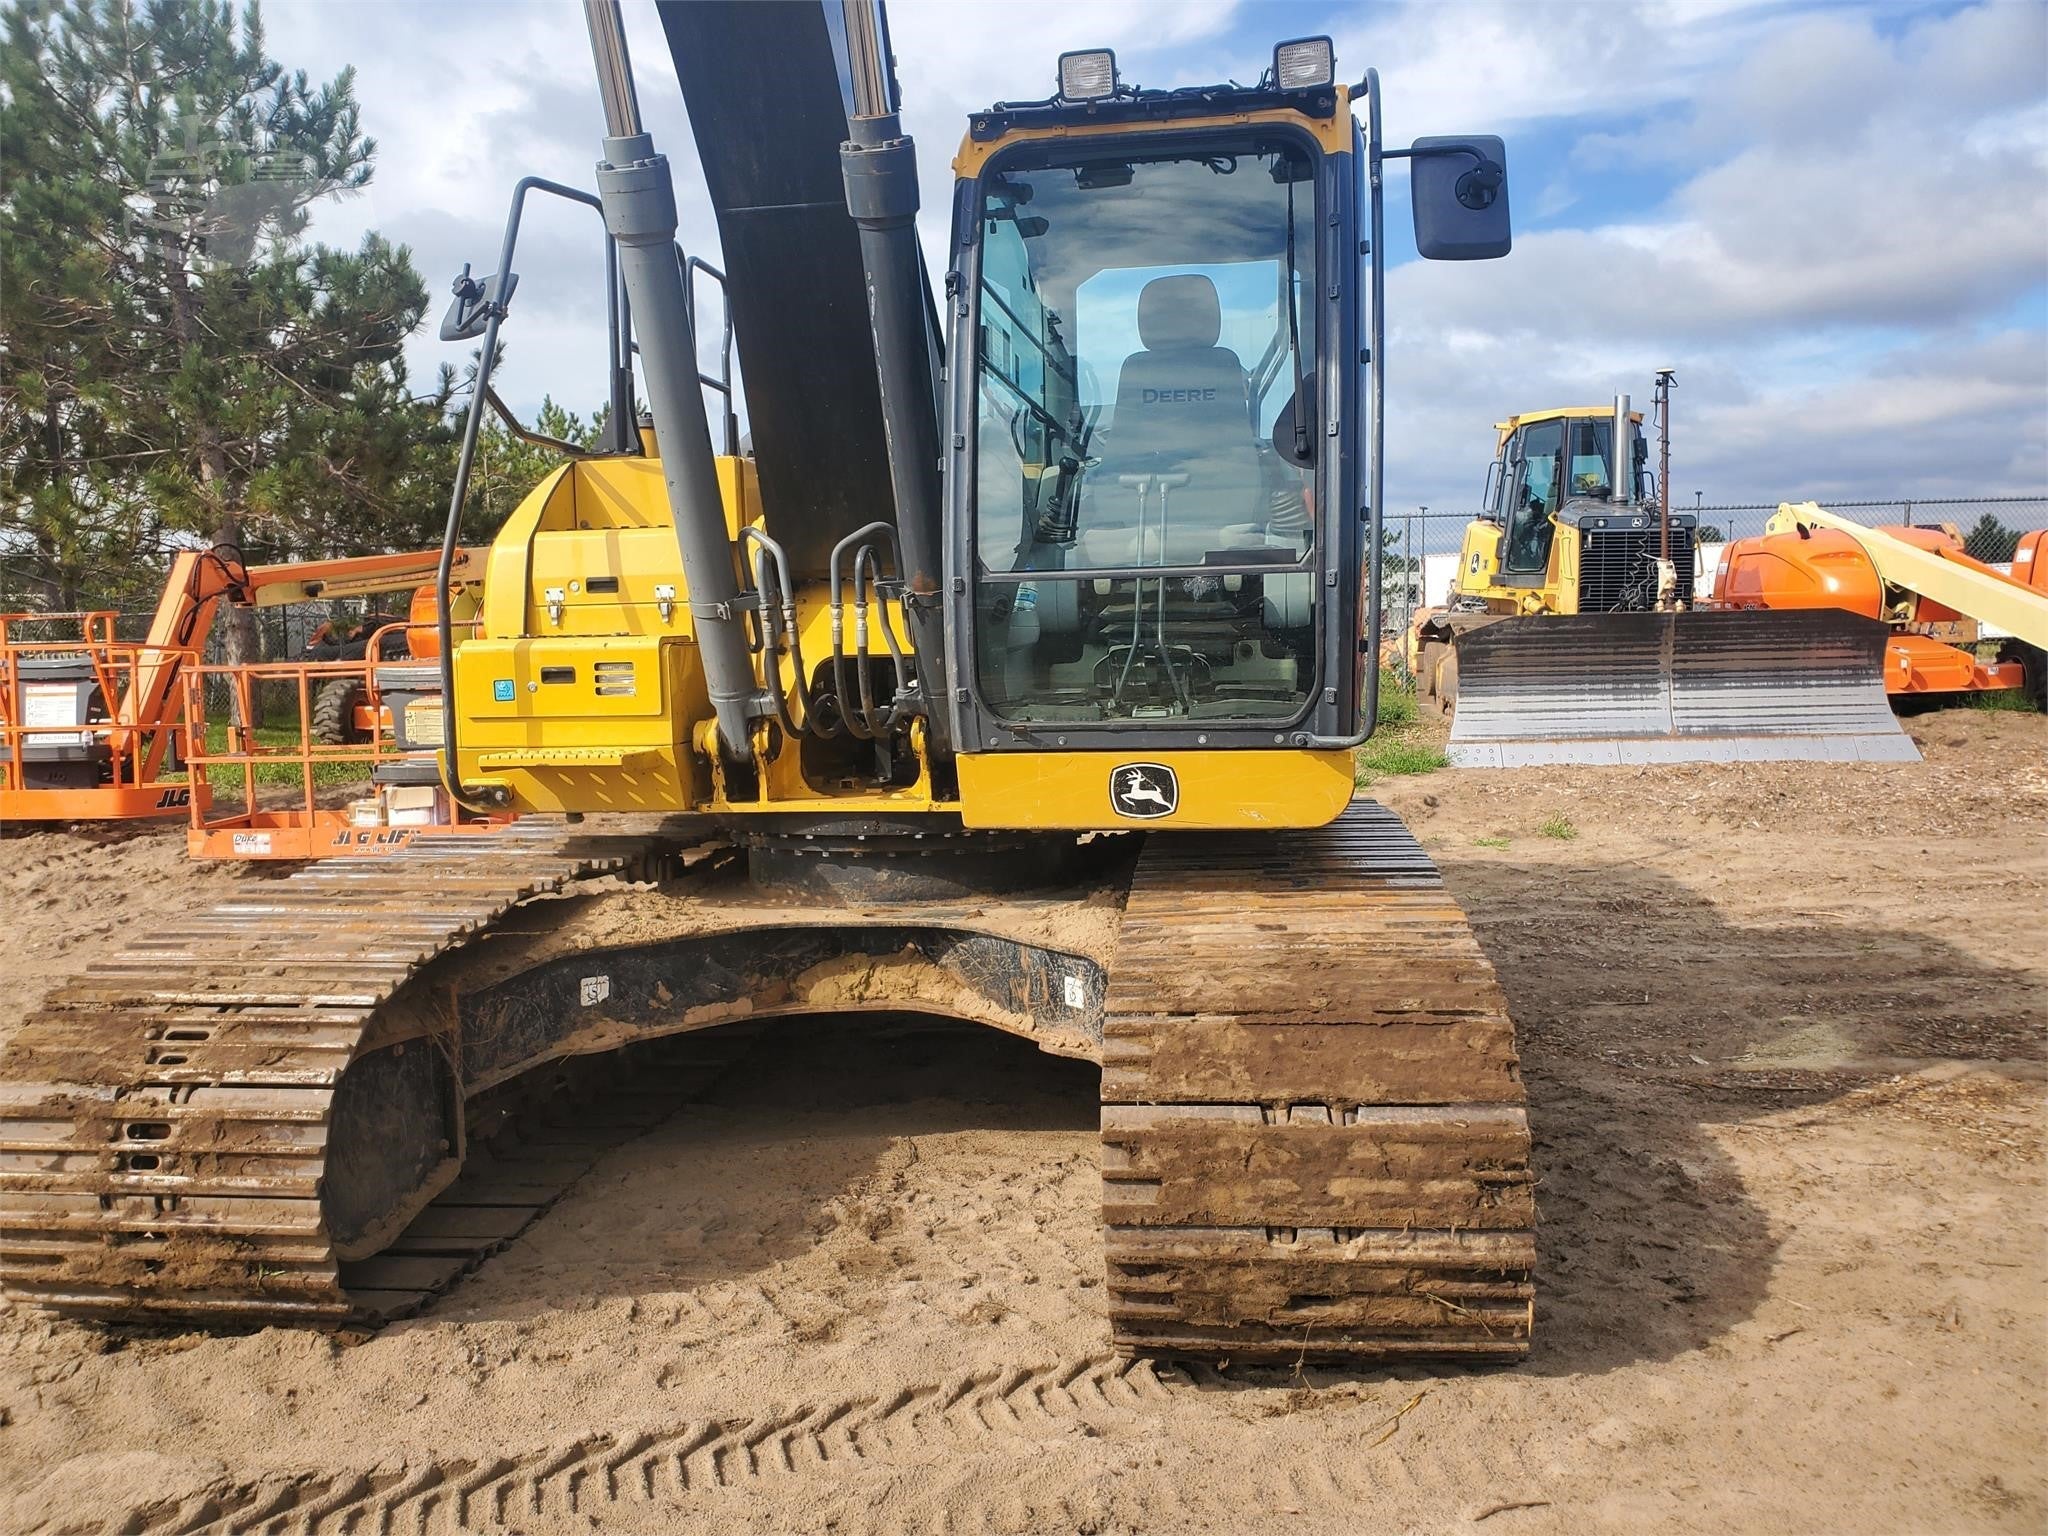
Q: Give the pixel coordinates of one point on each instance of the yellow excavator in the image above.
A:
(1015, 674)
(1570, 635)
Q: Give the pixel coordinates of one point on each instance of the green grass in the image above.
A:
(1397, 747)
(226, 778)
(2003, 700)
(1390, 754)
(1397, 702)
(1489, 842)
(1558, 826)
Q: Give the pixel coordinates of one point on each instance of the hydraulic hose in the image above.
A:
(859, 728)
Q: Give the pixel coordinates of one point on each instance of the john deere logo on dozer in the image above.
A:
(1143, 790)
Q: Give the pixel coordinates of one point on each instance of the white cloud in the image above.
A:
(1857, 204)
(1854, 217)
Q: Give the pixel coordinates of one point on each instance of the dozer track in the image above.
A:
(1314, 1140)
(165, 1119)
(1313, 1134)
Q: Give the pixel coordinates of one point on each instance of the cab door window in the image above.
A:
(1533, 497)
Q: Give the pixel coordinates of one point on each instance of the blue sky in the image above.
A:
(1831, 220)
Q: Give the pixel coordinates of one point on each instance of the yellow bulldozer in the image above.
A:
(1569, 633)
(1015, 674)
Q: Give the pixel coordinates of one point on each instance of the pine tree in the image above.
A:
(179, 363)
(1991, 540)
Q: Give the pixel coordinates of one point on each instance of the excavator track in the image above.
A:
(1314, 1142)
(1314, 1137)
(165, 1119)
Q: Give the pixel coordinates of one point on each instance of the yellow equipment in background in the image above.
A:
(1554, 538)
(1568, 633)
(1550, 504)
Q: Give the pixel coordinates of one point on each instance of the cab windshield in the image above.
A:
(1145, 327)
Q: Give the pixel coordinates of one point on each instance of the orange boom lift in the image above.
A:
(93, 727)
(1936, 598)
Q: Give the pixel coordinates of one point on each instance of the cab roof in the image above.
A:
(1564, 412)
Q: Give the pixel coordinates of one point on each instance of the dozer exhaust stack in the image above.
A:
(1805, 685)
(640, 212)
(1621, 479)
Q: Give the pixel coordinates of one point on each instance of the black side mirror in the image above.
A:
(475, 299)
(1459, 188)
(1294, 429)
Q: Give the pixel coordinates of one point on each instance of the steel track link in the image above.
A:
(1314, 1144)
(164, 1118)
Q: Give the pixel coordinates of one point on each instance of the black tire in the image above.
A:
(334, 712)
(2034, 663)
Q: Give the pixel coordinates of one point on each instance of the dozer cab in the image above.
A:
(1569, 634)
(1016, 675)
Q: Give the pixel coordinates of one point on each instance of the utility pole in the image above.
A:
(1411, 563)
(1666, 377)
(1697, 498)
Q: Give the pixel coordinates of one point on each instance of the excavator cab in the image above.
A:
(1166, 343)
(1142, 548)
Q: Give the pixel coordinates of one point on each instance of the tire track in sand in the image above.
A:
(1016, 1409)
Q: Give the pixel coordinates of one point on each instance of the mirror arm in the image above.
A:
(1485, 178)
(526, 435)
(1477, 154)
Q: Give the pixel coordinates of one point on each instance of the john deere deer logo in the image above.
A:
(1143, 791)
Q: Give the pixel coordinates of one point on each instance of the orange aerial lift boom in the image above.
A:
(1919, 580)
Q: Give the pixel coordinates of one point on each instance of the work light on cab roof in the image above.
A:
(1304, 63)
(1088, 75)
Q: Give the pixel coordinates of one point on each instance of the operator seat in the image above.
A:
(1182, 408)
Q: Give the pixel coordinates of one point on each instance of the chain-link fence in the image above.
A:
(287, 634)
(1420, 558)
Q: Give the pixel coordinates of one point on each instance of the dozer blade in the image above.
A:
(1805, 685)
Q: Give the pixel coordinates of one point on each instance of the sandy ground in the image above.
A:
(1783, 1032)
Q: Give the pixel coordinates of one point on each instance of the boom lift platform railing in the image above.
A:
(74, 743)
(317, 812)
(94, 727)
